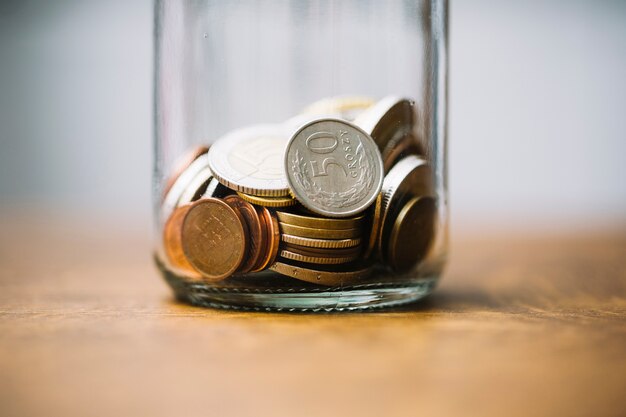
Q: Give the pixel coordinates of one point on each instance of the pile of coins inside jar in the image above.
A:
(323, 197)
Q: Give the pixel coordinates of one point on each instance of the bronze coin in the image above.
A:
(375, 227)
(181, 165)
(172, 242)
(214, 238)
(255, 232)
(410, 177)
(412, 234)
(271, 241)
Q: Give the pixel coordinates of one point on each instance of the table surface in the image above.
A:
(521, 325)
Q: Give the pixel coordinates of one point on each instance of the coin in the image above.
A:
(255, 232)
(321, 243)
(410, 177)
(333, 168)
(172, 242)
(272, 239)
(249, 160)
(180, 185)
(412, 234)
(337, 277)
(268, 201)
(323, 252)
(316, 259)
(319, 222)
(388, 118)
(395, 151)
(196, 187)
(374, 227)
(216, 189)
(181, 165)
(214, 239)
(310, 232)
(346, 107)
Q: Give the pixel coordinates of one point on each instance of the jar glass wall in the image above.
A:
(300, 152)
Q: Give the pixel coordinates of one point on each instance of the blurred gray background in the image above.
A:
(536, 117)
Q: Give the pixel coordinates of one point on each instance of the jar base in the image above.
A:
(307, 298)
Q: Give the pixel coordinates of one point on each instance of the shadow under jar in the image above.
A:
(300, 152)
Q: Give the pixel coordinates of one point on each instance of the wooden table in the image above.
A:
(522, 325)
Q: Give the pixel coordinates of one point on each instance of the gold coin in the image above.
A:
(310, 232)
(319, 222)
(172, 243)
(268, 201)
(316, 259)
(412, 234)
(375, 227)
(214, 238)
(323, 252)
(321, 243)
(338, 277)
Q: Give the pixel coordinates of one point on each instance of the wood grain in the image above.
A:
(521, 325)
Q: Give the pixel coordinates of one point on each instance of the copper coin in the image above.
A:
(264, 243)
(214, 238)
(273, 239)
(181, 165)
(255, 231)
(172, 242)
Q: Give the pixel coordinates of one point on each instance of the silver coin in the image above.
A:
(180, 185)
(345, 107)
(410, 177)
(333, 168)
(215, 189)
(196, 187)
(388, 121)
(249, 160)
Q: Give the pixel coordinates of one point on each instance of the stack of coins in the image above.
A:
(323, 197)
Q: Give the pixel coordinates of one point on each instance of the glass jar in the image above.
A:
(300, 152)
